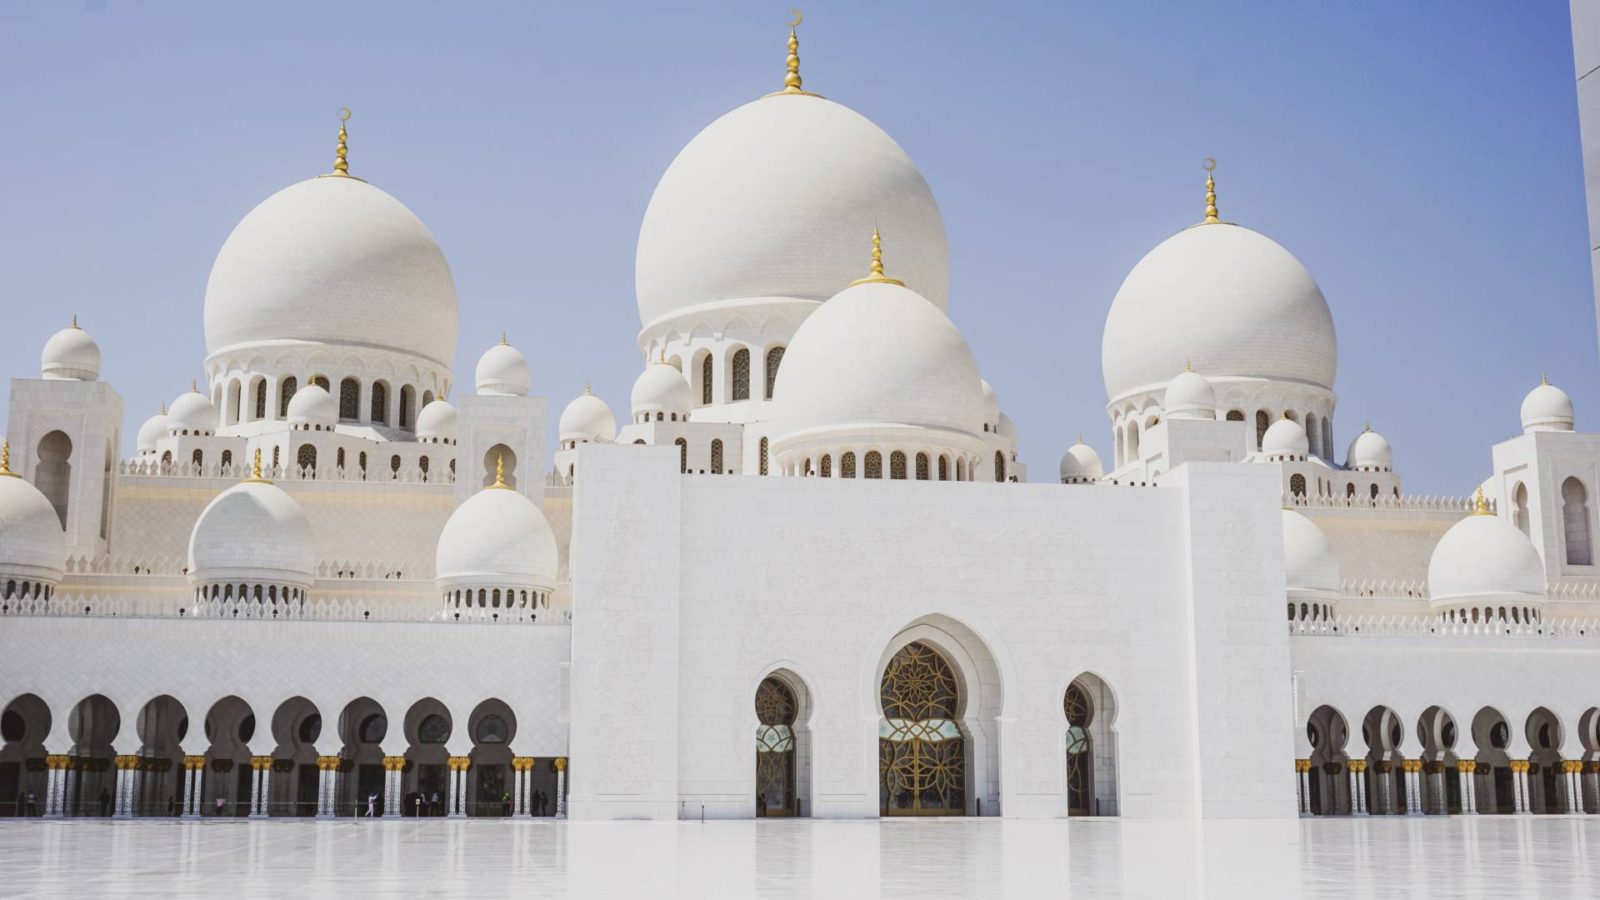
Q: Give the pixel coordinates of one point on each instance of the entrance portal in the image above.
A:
(921, 750)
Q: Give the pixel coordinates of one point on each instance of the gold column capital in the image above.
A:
(1411, 765)
(1520, 766)
(394, 763)
(523, 763)
(460, 763)
(194, 762)
(260, 762)
(1358, 765)
(1570, 766)
(561, 763)
(327, 763)
(127, 761)
(1302, 765)
(58, 761)
(1466, 765)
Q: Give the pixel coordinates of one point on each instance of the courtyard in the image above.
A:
(1456, 856)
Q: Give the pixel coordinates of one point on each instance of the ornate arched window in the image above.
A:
(197, 458)
(921, 753)
(705, 380)
(874, 464)
(286, 391)
(716, 457)
(306, 458)
(491, 730)
(275, 458)
(774, 359)
(763, 453)
(1080, 751)
(1297, 485)
(825, 466)
(434, 729)
(394, 465)
(922, 467)
(423, 465)
(261, 398)
(741, 374)
(1575, 522)
(944, 468)
(380, 402)
(349, 399)
(999, 466)
(775, 749)
(683, 455)
(338, 458)
(897, 465)
(227, 459)
(235, 402)
(847, 465)
(407, 394)
(1235, 415)
(1263, 421)
(1519, 507)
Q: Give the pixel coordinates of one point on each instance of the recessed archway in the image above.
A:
(1091, 747)
(1494, 782)
(783, 745)
(1385, 777)
(227, 782)
(162, 725)
(24, 780)
(425, 783)
(295, 782)
(1329, 782)
(1441, 788)
(1547, 784)
(492, 726)
(362, 728)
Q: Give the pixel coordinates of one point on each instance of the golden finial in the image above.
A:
(1480, 506)
(1366, 428)
(588, 388)
(1211, 193)
(341, 161)
(877, 276)
(1080, 438)
(5, 461)
(194, 386)
(255, 470)
(503, 341)
(1544, 379)
(1188, 366)
(500, 473)
(791, 80)
(163, 409)
(661, 356)
(74, 320)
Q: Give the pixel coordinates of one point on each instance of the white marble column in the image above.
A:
(456, 802)
(327, 769)
(122, 803)
(69, 781)
(1574, 786)
(561, 787)
(255, 787)
(194, 787)
(56, 785)
(1519, 782)
(1413, 769)
(266, 787)
(392, 766)
(1469, 790)
(1358, 772)
(1302, 768)
(519, 778)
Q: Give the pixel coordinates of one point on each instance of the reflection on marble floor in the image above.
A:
(1489, 856)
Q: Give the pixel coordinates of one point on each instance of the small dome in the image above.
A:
(991, 403)
(1286, 438)
(332, 261)
(253, 532)
(1485, 559)
(33, 547)
(496, 539)
(313, 405)
(1547, 408)
(1080, 464)
(1228, 299)
(661, 388)
(193, 413)
(437, 421)
(587, 418)
(712, 232)
(502, 369)
(153, 430)
(1310, 570)
(70, 355)
(1370, 452)
(1189, 396)
(878, 354)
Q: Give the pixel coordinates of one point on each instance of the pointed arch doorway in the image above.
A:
(921, 748)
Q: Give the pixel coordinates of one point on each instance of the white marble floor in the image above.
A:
(1490, 856)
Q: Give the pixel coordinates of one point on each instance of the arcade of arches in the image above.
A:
(312, 768)
(1475, 767)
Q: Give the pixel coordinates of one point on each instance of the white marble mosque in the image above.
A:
(332, 578)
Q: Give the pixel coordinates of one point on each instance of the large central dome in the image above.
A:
(771, 200)
(332, 260)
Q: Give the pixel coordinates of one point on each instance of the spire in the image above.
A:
(1544, 379)
(588, 387)
(341, 161)
(791, 79)
(255, 470)
(5, 461)
(1480, 507)
(500, 473)
(74, 320)
(877, 276)
(503, 341)
(1211, 193)
(163, 409)
(194, 386)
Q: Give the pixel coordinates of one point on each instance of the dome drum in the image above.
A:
(388, 389)
(802, 455)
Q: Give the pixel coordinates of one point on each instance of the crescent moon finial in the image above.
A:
(1211, 164)
(1211, 193)
(798, 18)
(344, 113)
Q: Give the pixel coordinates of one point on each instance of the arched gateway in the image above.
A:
(921, 750)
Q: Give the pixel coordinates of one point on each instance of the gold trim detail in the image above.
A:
(5, 461)
(255, 471)
(877, 276)
(791, 79)
(1480, 507)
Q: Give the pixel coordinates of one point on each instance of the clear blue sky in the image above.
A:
(1421, 158)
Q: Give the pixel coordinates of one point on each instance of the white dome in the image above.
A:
(878, 354)
(496, 539)
(1008, 428)
(770, 201)
(70, 355)
(1485, 559)
(1189, 396)
(1225, 298)
(1286, 437)
(1310, 570)
(1370, 451)
(252, 532)
(313, 405)
(587, 418)
(153, 430)
(1547, 408)
(502, 369)
(661, 388)
(332, 260)
(192, 412)
(33, 546)
(991, 403)
(437, 420)
(1080, 464)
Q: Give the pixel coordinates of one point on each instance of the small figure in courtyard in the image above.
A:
(505, 801)
(433, 805)
(220, 804)
(372, 804)
(33, 807)
(172, 806)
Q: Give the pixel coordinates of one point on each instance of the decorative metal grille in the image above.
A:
(847, 466)
(380, 402)
(716, 457)
(741, 374)
(683, 455)
(775, 749)
(921, 750)
(922, 467)
(897, 465)
(705, 380)
(874, 464)
(774, 359)
(944, 468)
(763, 456)
(1080, 787)
(825, 466)
(349, 399)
